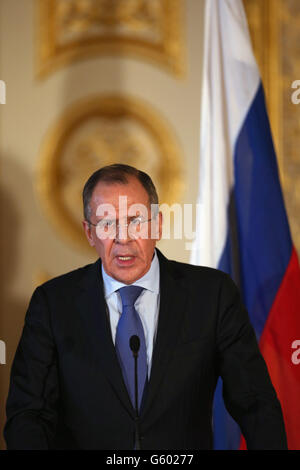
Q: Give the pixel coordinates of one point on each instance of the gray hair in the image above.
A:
(117, 173)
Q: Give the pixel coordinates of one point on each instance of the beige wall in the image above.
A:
(29, 242)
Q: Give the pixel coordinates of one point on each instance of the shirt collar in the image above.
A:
(149, 281)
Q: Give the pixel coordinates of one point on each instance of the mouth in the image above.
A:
(125, 260)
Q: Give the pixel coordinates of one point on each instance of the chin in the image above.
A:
(127, 278)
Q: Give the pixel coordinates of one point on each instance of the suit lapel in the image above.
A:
(93, 311)
(171, 314)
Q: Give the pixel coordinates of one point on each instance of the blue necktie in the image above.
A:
(130, 324)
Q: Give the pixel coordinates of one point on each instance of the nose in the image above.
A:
(122, 233)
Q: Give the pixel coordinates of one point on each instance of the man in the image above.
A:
(73, 377)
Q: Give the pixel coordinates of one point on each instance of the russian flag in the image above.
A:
(242, 226)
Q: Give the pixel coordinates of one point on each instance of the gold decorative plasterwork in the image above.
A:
(274, 28)
(99, 131)
(69, 30)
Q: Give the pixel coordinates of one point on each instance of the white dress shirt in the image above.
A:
(147, 304)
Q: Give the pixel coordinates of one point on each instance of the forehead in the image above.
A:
(109, 193)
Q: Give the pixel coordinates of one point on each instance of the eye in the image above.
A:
(106, 224)
(136, 221)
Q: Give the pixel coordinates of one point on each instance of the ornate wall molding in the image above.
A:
(99, 131)
(70, 30)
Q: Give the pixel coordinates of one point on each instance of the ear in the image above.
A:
(160, 224)
(88, 232)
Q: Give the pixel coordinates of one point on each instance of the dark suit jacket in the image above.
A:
(67, 389)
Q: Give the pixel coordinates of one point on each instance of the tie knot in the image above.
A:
(129, 294)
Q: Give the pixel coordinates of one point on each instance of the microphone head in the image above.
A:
(134, 343)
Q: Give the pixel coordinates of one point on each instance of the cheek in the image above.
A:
(103, 248)
(147, 248)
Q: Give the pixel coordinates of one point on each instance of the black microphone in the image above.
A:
(134, 344)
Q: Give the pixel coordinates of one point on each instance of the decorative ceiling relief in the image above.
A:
(69, 30)
(99, 131)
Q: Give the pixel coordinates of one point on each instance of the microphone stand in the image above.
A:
(137, 432)
(135, 346)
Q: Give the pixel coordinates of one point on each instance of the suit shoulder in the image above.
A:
(193, 272)
(205, 279)
(70, 278)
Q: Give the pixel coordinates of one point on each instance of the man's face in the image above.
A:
(126, 256)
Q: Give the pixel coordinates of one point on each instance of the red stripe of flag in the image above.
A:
(282, 328)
